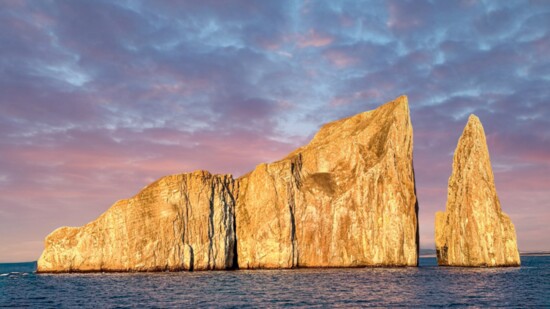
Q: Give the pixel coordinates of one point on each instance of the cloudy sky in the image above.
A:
(97, 99)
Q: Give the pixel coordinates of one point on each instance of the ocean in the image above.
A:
(428, 285)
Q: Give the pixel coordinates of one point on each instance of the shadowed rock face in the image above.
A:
(347, 199)
(473, 231)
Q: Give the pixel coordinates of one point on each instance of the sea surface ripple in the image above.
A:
(425, 286)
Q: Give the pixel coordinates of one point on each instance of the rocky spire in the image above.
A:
(473, 231)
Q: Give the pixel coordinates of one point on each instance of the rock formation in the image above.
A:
(178, 222)
(473, 231)
(347, 199)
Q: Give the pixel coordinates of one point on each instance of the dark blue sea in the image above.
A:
(426, 286)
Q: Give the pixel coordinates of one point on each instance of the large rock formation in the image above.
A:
(473, 231)
(178, 222)
(347, 199)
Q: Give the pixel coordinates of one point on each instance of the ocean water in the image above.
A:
(428, 285)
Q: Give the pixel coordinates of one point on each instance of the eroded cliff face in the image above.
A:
(473, 231)
(179, 222)
(347, 199)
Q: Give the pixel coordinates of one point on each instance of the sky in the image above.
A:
(100, 98)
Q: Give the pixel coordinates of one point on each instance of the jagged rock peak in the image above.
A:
(345, 199)
(473, 231)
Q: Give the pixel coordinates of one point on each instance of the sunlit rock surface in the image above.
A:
(473, 231)
(347, 199)
(179, 222)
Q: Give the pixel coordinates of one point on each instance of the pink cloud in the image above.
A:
(340, 59)
(314, 39)
(398, 19)
(339, 101)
